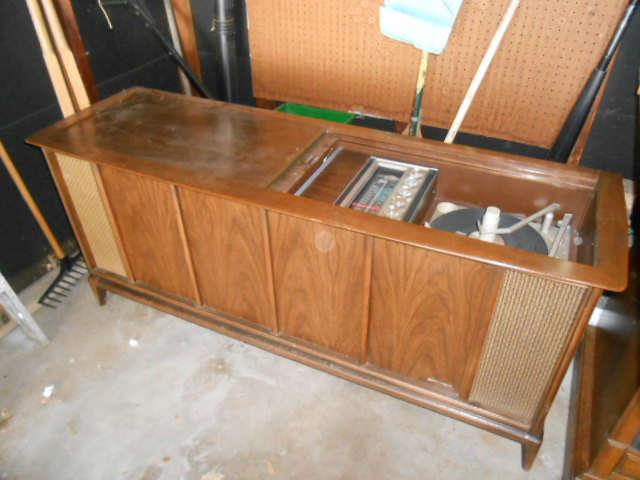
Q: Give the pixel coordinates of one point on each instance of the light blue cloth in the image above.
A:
(426, 24)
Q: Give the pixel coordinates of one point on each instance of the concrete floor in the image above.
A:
(188, 403)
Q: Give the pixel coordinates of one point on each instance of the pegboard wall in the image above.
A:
(330, 53)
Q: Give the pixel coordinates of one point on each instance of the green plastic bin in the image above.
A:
(315, 112)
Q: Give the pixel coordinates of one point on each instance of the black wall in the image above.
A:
(120, 58)
(612, 143)
(129, 55)
(28, 103)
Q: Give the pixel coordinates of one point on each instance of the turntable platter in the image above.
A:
(466, 220)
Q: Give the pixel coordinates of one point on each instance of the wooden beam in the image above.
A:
(175, 40)
(187, 32)
(74, 38)
(54, 68)
(65, 57)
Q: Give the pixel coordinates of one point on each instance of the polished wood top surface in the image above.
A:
(205, 138)
(222, 148)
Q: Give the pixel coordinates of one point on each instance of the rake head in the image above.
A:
(72, 269)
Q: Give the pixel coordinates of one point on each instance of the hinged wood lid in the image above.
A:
(331, 53)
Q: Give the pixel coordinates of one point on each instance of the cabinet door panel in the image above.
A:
(429, 313)
(228, 247)
(146, 213)
(321, 284)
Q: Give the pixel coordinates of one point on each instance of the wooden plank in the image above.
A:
(609, 456)
(186, 30)
(227, 243)
(145, 212)
(630, 465)
(76, 44)
(430, 314)
(619, 476)
(628, 427)
(319, 277)
(65, 55)
(51, 61)
(175, 40)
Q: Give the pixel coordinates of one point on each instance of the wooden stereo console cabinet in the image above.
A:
(225, 216)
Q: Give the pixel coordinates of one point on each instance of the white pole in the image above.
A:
(482, 70)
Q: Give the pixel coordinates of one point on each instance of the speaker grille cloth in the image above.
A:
(83, 189)
(530, 326)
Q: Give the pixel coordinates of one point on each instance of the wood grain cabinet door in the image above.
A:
(321, 285)
(429, 313)
(228, 244)
(147, 216)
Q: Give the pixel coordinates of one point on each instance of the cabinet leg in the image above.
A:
(99, 293)
(529, 452)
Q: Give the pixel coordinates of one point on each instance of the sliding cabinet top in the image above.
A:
(172, 132)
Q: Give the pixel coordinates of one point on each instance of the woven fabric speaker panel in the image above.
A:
(330, 53)
(87, 201)
(531, 325)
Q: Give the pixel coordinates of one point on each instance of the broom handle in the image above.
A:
(414, 124)
(26, 195)
(482, 70)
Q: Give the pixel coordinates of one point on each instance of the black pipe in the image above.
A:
(224, 24)
(150, 23)
(575, 121)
